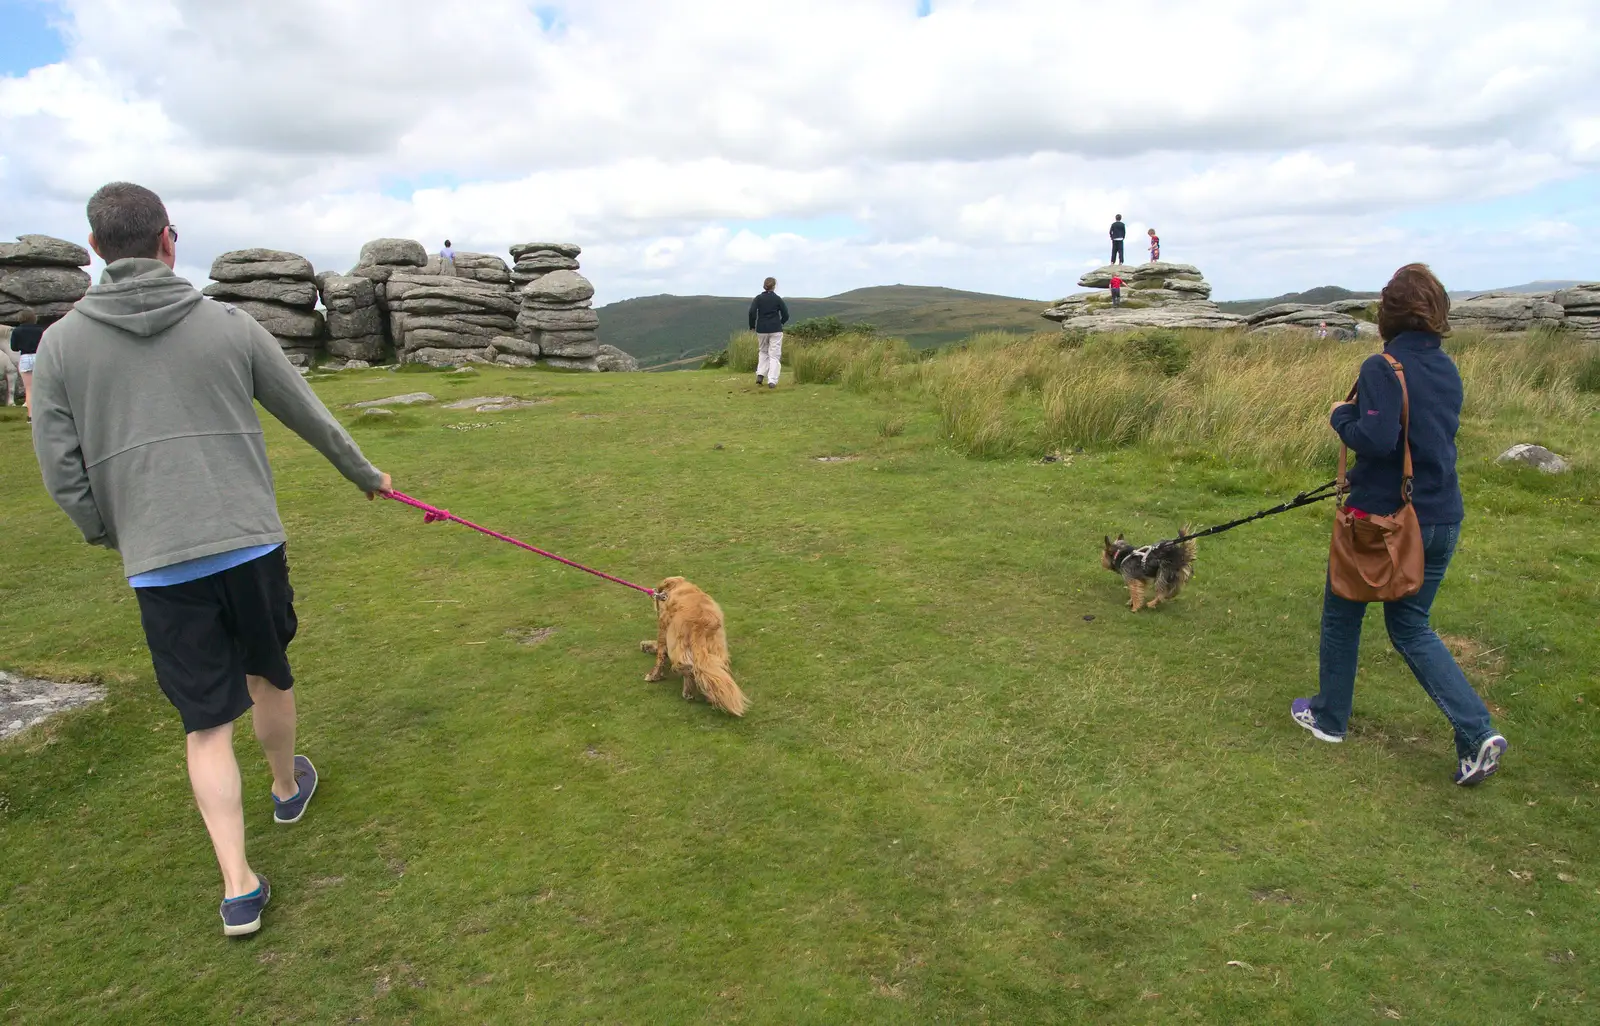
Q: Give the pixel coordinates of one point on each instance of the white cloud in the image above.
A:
(986, 146)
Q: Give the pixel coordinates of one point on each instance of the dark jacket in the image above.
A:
(25, 338)
(768, 313)
(1119, 229)
(1371, 428)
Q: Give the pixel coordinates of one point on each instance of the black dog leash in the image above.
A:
(1306, 498)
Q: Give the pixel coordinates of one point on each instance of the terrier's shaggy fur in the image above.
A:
(1163, 567)
(689, 636)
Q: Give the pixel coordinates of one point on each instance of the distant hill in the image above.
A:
(1320, 294)
(1532, 286)
(661, 330)
(1329, 293)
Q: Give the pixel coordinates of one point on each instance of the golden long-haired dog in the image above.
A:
(689, 635)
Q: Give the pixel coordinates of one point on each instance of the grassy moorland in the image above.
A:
(971, 788)
(669, 330)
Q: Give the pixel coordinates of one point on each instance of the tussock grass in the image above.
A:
(1240, 397)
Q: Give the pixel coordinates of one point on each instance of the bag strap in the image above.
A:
(1406, 473)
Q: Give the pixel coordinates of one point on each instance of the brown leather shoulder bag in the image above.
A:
(1373, 558)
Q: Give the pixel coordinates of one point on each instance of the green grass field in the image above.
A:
(972, 787)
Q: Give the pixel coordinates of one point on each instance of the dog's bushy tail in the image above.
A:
(1188, 554)
(712, 677)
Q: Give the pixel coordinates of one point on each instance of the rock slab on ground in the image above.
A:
(28, 701)
(1535, 456)
(1507, 311)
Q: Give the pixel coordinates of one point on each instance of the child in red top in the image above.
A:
(1155, 245)
(1116, 289)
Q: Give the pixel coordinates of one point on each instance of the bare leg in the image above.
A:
(214, 775)
(27, 392)
(274, 719)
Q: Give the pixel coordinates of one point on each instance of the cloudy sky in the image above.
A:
(699, 145)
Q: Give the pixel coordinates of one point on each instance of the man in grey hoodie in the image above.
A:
(146, 432)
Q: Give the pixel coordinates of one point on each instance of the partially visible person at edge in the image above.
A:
(447, 259)
(1119, 232)
(1116, 289)
(25, 339)
(1155, 245)
(768, 314)
(1413, 315)
(148, 438)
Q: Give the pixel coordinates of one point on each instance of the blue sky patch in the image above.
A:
(404, 188)
(836, 226)
(28, 36)
(924, 8)
(1575, 200)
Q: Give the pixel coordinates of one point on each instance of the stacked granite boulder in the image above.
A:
(1507, 311)
(536, 259)
(557, 316)
(41, 275)
(355, 323)
(1310, 317)
(484, 267)
(382, 258)
(1581, 304)
(1157, 294)
(445, 321)
(278, 290)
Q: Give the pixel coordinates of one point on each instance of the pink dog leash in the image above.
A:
(433, 513)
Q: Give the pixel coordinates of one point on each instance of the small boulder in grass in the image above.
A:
(1535, 456)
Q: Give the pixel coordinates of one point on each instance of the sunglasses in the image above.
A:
(173, 232)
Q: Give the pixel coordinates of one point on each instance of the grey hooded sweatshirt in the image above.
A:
(145, 428)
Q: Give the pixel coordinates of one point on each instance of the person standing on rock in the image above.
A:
(1116, 289)
(147, 437)
(1155, 245)
(768, 314)
(1119, 232)
(447, 260)
(25, 338)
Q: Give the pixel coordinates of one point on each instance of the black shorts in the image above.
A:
(206, 635)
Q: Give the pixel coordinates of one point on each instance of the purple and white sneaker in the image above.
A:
(1300, 710)
(1476, 771)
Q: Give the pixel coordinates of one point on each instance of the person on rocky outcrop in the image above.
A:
(147, 437)
(447, 260)
(25, 338)
(1413, 315)
(1155, 245)
(1119, 232)
(768, 314)
(1116, 289)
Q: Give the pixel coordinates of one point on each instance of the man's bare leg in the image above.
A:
(214, 775)
(274, 720)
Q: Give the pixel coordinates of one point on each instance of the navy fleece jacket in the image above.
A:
(1371, 428)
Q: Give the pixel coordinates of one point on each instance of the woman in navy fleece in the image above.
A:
(1413, 315)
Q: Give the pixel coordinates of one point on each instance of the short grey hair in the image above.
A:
(127, 221)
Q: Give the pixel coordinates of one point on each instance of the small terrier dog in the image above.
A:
(1168, 564)
(690, 636)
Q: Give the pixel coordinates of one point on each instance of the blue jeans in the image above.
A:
(1407, 619)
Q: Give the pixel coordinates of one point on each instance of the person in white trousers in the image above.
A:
(768, 314)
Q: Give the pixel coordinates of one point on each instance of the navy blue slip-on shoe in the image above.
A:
(242, 915)
(290, 810)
